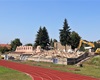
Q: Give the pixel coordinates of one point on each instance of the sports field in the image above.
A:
(39, 73)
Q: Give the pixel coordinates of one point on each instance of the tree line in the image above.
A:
(66, 37)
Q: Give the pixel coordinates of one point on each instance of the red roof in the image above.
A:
(5, 45)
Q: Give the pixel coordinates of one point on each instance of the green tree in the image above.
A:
(45, 38)
(3, 49)
(29, 44)
(54, 40)
(82, 47)
(65, 34)
(97, 45)
(75, 39)
(42, 38)
(15, 43)
(38, 39)
(51, 42)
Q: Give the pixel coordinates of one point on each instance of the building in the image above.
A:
(24, 49)
(58, 46)
(21, 53)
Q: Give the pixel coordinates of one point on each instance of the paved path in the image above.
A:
(39, 73)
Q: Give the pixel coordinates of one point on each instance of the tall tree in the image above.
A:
(75, 39)
(42, 38)
(45, 38)
(38, 39)
(65, 34)
(15, 43)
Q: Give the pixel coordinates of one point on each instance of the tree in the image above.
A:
(42, 38)
(97, 45)
(65, 34)
(15, 43)
(29, 44)
(55, 40)
(52, 42)
(75, 39)
(38, 37)
(3, 49)
(45, 38)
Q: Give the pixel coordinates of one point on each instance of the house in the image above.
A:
(8, 46)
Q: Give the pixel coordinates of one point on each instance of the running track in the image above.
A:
(38, 73)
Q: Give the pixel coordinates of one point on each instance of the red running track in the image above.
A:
(39, 73)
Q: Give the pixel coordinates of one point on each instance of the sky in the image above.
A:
(23, 18)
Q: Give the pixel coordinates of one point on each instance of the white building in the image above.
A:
(24, 49)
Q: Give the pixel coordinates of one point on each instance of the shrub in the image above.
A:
(95, 61)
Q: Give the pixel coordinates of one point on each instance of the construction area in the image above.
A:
(57, 55)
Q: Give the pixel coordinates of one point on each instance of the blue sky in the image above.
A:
(22, 18)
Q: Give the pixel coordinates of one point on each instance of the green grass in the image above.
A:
(87, 69)
(94, 61)
(9, 74)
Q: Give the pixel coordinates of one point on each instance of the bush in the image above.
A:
(95, 61)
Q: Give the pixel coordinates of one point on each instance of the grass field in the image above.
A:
(9, 74)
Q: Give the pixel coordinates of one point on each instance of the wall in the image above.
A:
(58, 46)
